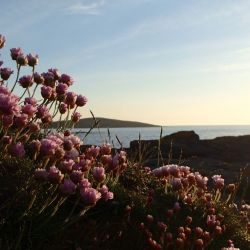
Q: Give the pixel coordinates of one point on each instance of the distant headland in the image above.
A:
(108, 123)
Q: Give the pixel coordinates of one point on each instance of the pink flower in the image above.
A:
(106, 195)
(6, 73)
(157, 172)
(74, 139)
(4, 90)
(29, 109)
(48, 147)
(15, 52)
(22, 60)
(71, 99)
(72, 154)
(105, 149)
(75, 117)
(6, 139)
(26, 81)
(35, 146)
(81, 101)
(16, 150)
(66, 166)
(90, 195)
(42, 111)
(21, 120)
(2, 41)
(84, 183)
(76, 176)
(218, 181)
(49, 79)
(7, 120)
(46, 92)
(63, 107)
(47, 119)
(41, 174)
(67, 187)
(30, 100)
(38, 79)
(177, 184)
(9, 104)
(66, 79)
(61, 88)
(93, 151)
(55, 175)
(99, 174)
(201, 181)
(32, 60)
(55, 73)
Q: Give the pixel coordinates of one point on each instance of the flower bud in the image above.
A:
(32, 60)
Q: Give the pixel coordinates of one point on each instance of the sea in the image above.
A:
(118, 136)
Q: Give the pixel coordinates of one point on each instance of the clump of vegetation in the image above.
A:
(55, 194)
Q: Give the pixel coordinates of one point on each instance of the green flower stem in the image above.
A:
(17, 77)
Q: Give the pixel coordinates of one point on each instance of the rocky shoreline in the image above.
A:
(222, 155)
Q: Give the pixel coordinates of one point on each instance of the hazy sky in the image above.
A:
(166, 62)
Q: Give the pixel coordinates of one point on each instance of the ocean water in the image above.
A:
(125, 135)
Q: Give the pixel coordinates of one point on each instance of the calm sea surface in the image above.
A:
(125, 135)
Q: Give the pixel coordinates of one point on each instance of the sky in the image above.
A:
(166, 62)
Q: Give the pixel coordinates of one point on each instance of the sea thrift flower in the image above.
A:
(21, 120)
(218, 181)
(66, 166)
(176, 183)
(15, 52)
(32, 60)
(30, 100)
(16, 150)
(84, 183)
(99, 174)
(48, 147)
(63, 107)
(7, 121)
(42, 111)
(46, 92)
(61, 88)
(38, 79)
(90, 195)
(9, 104)
(81, 101)
(41, 174)
(76, 176)
(2, 41)
(75, 117)
(29, 109)
(74, 139)
(22, 60)
(6, 73)
(35, 146)
(66, 79)
(26, 81)
(71, 99)
(201, 181)
(55, 73)
(55, 175)
(48, 79)
(72, 154)
(67, 187)
(105, 149)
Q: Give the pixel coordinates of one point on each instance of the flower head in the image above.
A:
(67, 187)
(6, 73)
(81, 100)
(32, 60)
(15, 52)
(66, 79)
(26, 81)
(90, 195)
(16, 150)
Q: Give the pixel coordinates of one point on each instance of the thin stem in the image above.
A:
(17, 76)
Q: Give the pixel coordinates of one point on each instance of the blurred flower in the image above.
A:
(22, 60)
(84, 183)
(81, 101)
(32, 60)
(55, 175)
(7, 120)
(70, 99)
(30, 100)
(46, 92)
(42, 111)
(90, 195)
(66, 79)
(99, 174)
(16, 150)
(48, 79)
(61, 89)
(38, 79)
(55, 73)
(218, 181)
(29, 109)
(63, 107)
(21, 120)
(48, 147)
(6, 73)
(67, 187)
(75, 117)
(76, 176)
(6, 140)
(15, 52)
(105, 149)
(9, 104)
(26, 81)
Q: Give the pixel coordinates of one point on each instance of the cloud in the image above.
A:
(86, 8)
